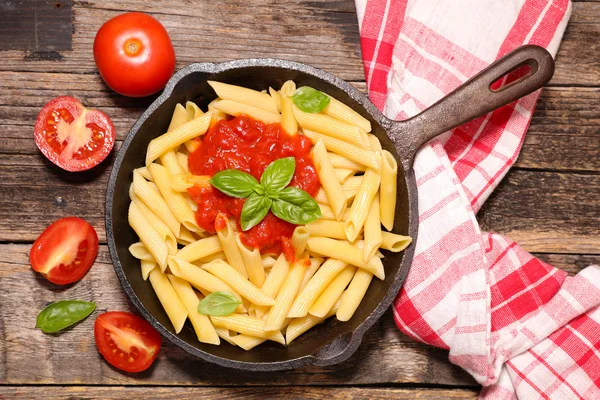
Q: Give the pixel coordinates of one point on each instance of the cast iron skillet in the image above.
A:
(332, 341)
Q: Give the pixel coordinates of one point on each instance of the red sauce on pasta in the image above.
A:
(249, 145)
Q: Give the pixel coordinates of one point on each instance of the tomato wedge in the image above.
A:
(126, 341)
(71, 136)
(65, 251)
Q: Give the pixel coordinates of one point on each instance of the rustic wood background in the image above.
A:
(548, 202)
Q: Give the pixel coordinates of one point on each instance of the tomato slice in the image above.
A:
(71, 136)
(126, 341)
(65, 251)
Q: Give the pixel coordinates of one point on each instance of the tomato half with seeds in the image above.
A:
(126, 341)
(65, 251)
(71, 136)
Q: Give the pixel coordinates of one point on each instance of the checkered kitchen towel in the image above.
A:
(521, 327)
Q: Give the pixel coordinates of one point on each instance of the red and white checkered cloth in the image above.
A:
(521, 327)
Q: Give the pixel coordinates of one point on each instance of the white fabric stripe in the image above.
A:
(538, 22)
(379, 39)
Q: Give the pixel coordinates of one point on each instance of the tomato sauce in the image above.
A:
(249, 145)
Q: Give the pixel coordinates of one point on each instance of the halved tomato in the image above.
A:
(126, 341)
(71, 136)
(65, 251)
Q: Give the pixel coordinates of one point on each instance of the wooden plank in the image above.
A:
(546, 212)
(71, 357)
(322, 33)
(572, 263)
(291, 393)
(40, 27)
(563, 133)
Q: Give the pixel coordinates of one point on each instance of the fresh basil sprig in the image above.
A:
(310, 100)
(288, 203)
(218, 304)
(62, 314)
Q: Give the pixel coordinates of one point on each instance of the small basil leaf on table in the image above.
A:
(218, 304)
(310, 100)
(254, 210)
(234, 183)
(296, 206)
(62, 314)
(278, 175)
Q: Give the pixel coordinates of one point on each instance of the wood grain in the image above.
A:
(291, 393)
(322, 33)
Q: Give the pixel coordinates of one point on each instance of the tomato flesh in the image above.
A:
(65, 251)
(73, 137)
(126, 341)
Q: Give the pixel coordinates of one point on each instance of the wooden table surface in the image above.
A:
(549, 202)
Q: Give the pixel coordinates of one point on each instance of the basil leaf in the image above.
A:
(234, 183)
(254, 210)
(310, 100)
(61, 314)
(278, 175)
(218, 304)
(296, 206)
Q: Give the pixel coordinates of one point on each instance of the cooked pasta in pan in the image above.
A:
(262, 217)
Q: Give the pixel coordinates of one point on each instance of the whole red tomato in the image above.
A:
(134, 54)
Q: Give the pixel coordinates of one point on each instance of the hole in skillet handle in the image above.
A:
(516, 75)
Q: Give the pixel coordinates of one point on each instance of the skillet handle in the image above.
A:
(473, 99)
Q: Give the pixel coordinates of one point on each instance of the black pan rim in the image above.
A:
(358, 333)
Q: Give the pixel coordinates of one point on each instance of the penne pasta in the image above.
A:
(160, 227)
(253, 263)
(288, 120)
(193, 111)
(217, 114)
(287, 294)
(224, 334)
(333, 292)
(153, 241)
(170, 162)
(338, 110)
(389, 180)
(180, 117)
(349, 192)
(204, 329)
(200, 249)
(342, 162)
(299, 238)
(315, 263)
(273, 282)
(154, 201)
(147, 267)
(139, 251)
(276, 98)
(343, 174)
(247, 342)
(354, 294)
(331, 185)
(315, 286)
(239, 283)
(300, 325)
(177, 137)
(228, 239)
(268, 261)
(236, 109)
(244, 96)
(185, 236)
(346, 252)
(173, 306)
(331, 127)
(247, 325)
(372, 231)
(323, 227)
(212, 257)
(183, 161)
(362, 204)
(175, 200)
(394, 242)
(143, 172)
(351, 151)
(182, 182)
